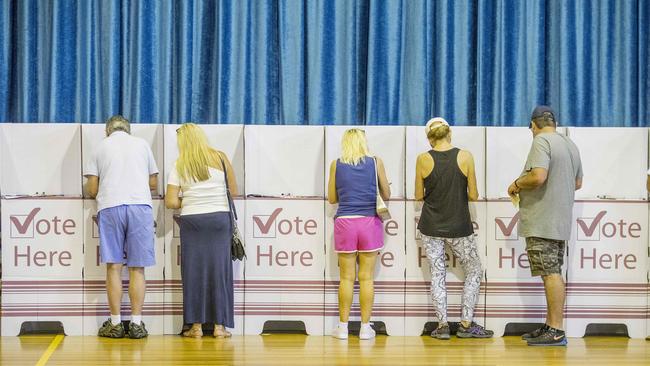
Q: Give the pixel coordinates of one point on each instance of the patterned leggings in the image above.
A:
(465, 250)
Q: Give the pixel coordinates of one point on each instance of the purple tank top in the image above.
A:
(356, 188)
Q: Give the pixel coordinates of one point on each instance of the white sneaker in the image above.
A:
(366, 332)
(340, 333)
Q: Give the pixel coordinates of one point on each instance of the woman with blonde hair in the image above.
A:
(203, 175)
(445, 180)
(358, 232)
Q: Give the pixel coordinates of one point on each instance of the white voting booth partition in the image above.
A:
(40, 159)
(42, 262)
(230, 140)
(418, 304)
(387, 142)
(608, 250)
(513, 295)
(607, 153)
(608, 266)
(285, 238)
(42, 257)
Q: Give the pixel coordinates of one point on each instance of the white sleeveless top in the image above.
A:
(202, 197)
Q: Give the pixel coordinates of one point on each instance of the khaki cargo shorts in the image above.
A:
(546, 256)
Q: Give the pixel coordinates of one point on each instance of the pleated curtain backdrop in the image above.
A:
(394, 62)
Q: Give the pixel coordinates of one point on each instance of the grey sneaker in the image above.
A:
(442, 332)
(474, 331)
(534, 334)
(111, 330)
(137, 331)
(549, 337)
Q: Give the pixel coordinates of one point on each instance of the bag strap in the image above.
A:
(376, 174)
(231, 204)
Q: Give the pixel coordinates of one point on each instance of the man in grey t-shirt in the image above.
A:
(546, 188)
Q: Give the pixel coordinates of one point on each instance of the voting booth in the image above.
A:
(42, 231)
(230, 140)
(608, 266)
(49, 234)
(42, 263)
(608, 254)
(284, 226)
(388, 143)
(513, 295)
(418, 304)
(96, 308)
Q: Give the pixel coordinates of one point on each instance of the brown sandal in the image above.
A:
(221, 332)
(193, 333)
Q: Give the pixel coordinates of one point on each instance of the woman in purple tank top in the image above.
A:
(358, 232)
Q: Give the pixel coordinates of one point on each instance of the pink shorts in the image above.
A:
(358, 234)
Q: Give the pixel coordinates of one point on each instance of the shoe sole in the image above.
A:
(365, 337)
(563, 343)
(442, 338)
(469, 335)
(341, 338)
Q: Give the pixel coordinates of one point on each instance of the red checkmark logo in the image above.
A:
(507, 229)
(265, 227)
(589, 230)
(26, 224)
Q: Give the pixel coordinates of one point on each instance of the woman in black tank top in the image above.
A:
(445, 181)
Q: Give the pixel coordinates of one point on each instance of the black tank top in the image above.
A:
(445, 212)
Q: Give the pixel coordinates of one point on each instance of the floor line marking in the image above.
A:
(48, 352)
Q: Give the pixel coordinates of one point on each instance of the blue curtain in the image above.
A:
(475, 62)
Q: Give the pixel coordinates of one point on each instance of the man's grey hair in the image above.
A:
(547, 119)
(117, 123)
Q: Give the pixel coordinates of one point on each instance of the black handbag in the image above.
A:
(237, 251)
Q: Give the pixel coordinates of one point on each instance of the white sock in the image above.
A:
(116, 319)
(136, 319)
(343, 325)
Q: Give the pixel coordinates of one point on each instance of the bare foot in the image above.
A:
(221, 332)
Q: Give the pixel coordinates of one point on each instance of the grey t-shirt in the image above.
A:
(546, 211)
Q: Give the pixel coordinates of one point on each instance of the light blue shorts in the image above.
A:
(126, 235)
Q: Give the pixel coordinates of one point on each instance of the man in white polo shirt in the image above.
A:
(121, 175)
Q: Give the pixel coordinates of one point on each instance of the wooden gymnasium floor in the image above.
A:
(287, 350)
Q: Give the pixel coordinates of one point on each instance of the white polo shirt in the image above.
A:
(123, 164)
